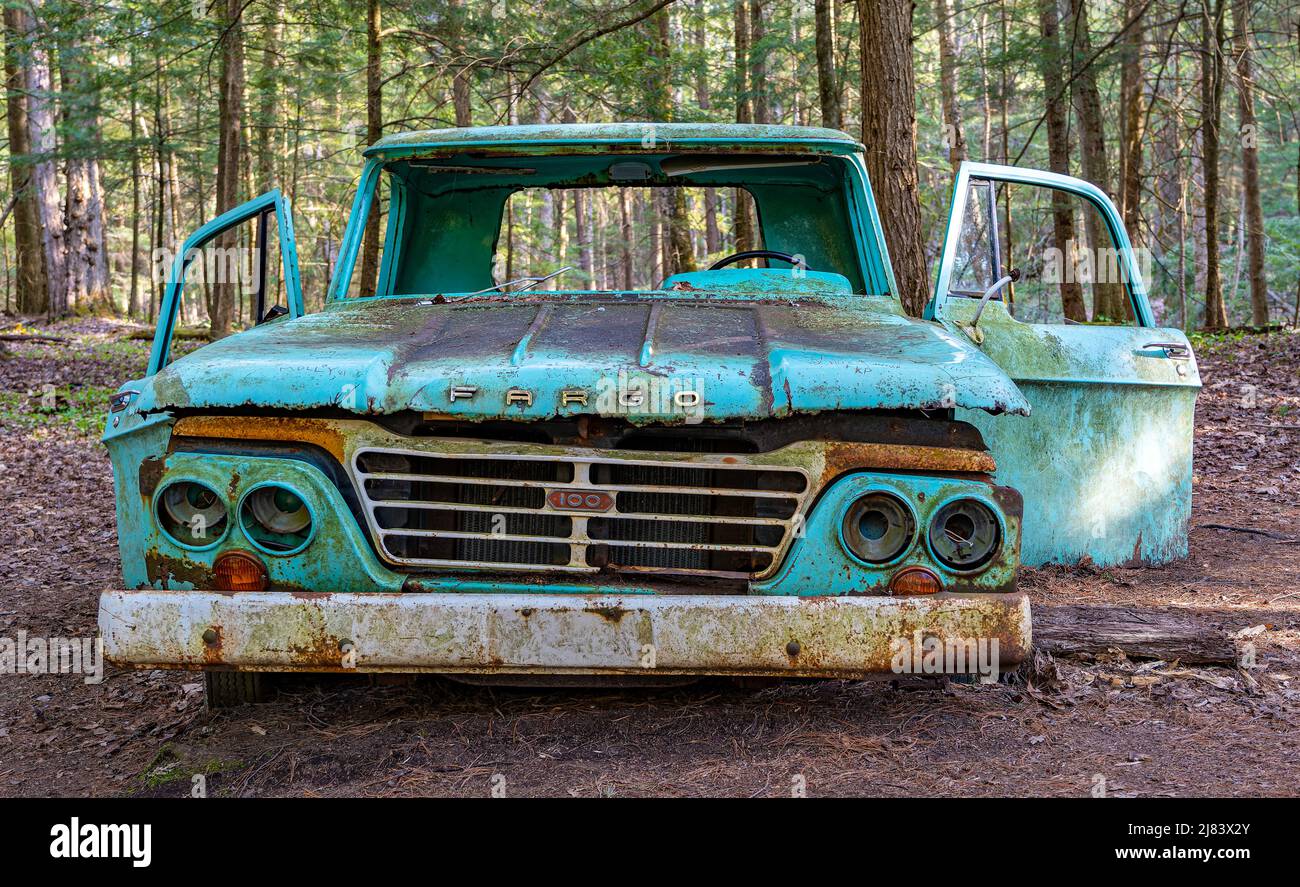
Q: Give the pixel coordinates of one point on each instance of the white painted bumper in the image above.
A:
(546, 633)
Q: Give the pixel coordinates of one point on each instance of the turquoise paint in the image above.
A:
(1104, 458)
(1015, 175)
(819, 563)
(130, 443)
(561, 138)
(168, 310)
(748, 360)
(806, 209)
(1107, 414)
(761, 282)
(337, 558)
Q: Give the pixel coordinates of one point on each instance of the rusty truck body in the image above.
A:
(733, 471)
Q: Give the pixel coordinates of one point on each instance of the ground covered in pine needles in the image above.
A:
(1065, 727)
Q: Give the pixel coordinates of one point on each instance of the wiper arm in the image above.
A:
(531, 281)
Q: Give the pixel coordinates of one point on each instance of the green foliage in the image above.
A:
(159, 61)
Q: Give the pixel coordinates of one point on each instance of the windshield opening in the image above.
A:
(473, 224)
(622, 238)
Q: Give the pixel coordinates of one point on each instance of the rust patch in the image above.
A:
(212, 642)
(842, 456)
(165, 569)
(320, 648)
(609, 614)
(323, 433)
(151, 472)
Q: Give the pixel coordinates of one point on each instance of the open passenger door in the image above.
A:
(1104, 461)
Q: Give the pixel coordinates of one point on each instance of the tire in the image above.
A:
(1004, 677)
(226, 689)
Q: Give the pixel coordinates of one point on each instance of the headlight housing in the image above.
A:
(965, 534)
(878, 528)
(191, 514)
(276, 519)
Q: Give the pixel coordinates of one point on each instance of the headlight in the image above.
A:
(192, 514)
(964, 534)
(878, 528)
(276, 519)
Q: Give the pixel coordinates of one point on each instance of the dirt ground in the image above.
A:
(1070, 729)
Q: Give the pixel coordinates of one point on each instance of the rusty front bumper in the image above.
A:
(841, 637)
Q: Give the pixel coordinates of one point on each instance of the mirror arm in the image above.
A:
(1012, 277)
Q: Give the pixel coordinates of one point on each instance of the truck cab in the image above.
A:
(477, 461)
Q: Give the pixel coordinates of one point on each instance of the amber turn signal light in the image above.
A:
(915, 580)
(237, 571)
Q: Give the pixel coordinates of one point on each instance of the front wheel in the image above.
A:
(226, 689)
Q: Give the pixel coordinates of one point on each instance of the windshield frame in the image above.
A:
(865, 231)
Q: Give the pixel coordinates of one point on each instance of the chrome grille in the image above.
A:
(670, 513)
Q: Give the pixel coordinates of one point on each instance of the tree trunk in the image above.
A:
(1107, 295)
(758, 85)
(230, 120)
(269, 130)
(955, 138)
(560, 236)
(1004, 102)
(44, 177)
(1058, 151)
(460, 82)
(158, 278)
(1216, 313)
(1134, 120)
(32, 295)
(678, 256)
(269, 110)
(986, 97)
(683, 258)
(828, 89)
(889, 132)
(701, 57)
(83, 211)
(744, 108)
(133, 306)
(712, 237)
(374, 130)
(742, 218)
(582, 228)
(1250, 163)
(40, 122)
(625, 248)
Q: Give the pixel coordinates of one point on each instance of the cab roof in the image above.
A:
(642, 137)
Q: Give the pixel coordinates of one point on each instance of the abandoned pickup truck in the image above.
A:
(765, 468)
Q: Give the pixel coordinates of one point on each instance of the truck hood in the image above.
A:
(543, 356)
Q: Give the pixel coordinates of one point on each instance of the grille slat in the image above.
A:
(536, 485)
(492, 512)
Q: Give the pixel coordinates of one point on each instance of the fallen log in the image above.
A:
(32, 337)
(1169, 633)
